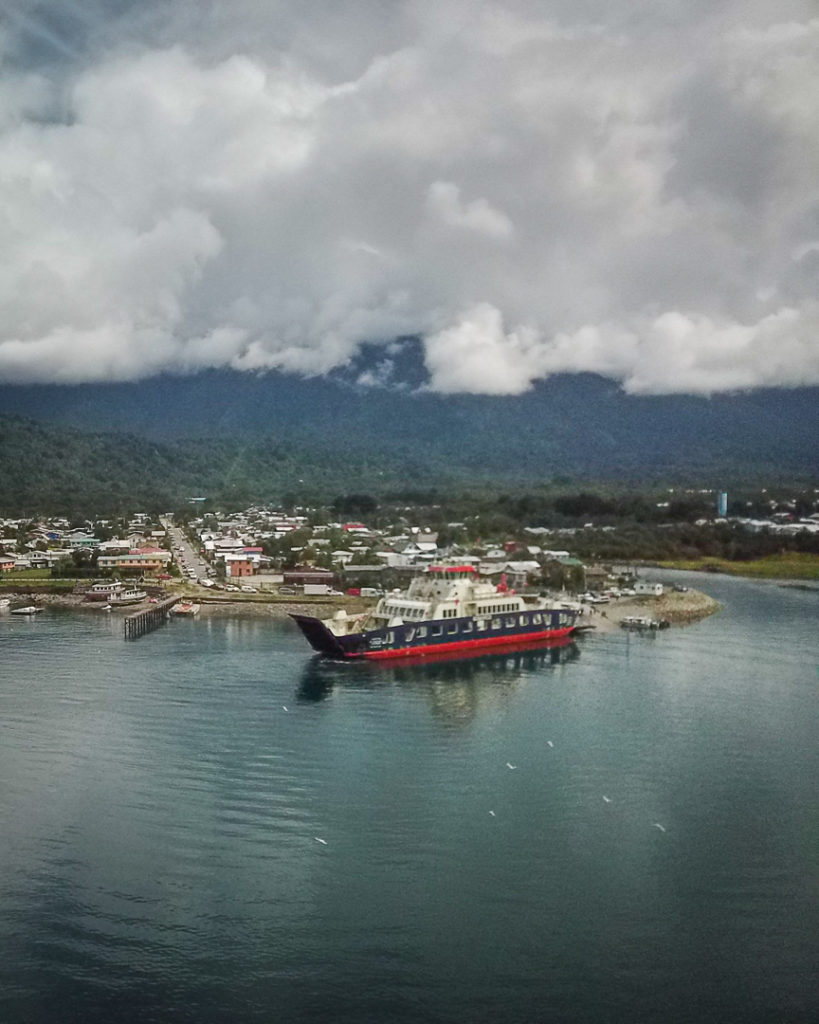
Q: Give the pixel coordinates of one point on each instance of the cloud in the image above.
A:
(531, 192)
(444, 202)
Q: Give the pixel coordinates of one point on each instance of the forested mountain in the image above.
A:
(582, 426)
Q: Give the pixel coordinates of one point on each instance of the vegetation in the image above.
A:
(789, 565)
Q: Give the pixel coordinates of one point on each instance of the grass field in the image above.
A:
(791, 566)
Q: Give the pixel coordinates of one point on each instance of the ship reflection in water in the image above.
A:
(455, 684)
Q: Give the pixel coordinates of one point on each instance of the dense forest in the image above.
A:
(578, 428)
(49, 469)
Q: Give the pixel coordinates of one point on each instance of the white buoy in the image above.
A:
(607, 799)
(549, 743)
(284, 708)
(492, 813)
(318, 839)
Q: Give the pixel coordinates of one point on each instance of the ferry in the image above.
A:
(446, 609)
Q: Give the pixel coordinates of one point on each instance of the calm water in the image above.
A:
(159, 810)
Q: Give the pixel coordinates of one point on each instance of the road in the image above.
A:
(186, 556)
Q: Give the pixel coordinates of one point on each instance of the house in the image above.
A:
(45, 559)
(242, 563)
(647, 589)
(239, 564)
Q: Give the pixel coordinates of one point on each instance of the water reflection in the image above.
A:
(454, 684)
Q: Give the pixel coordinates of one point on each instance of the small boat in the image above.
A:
(186, 608)
(640, 622)
(29, 609)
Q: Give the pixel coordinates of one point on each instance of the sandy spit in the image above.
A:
(678, 609)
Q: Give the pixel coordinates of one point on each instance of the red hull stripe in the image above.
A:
(465, 645)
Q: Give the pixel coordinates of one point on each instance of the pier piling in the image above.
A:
(137, 624)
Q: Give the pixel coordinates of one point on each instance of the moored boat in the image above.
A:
(186, 608)
(127, 596)
(447, 609)
(29, 609)
(104, 590)
(640, 622)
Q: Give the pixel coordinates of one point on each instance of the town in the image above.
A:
(262, 553)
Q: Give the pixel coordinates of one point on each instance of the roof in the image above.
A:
(454, 569)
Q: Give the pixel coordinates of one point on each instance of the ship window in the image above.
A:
(481, 625)
(437, 630)
(522, 619)
(537, 619)
(453, 629)
(467, 627)
(422, 632)
(510, 621)
(408, 635)
(390, 637)
(496, 623)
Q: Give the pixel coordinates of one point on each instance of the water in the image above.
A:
(160, 809)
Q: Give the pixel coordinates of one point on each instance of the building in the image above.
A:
(646, 589)
(304, 575)
(138, 560)
(242, 563)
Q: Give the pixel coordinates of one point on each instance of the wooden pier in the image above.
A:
(137, 624)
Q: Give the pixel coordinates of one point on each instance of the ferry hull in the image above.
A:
(466, 646)
(377, 645)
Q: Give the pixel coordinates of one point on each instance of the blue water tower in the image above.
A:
(722, 503)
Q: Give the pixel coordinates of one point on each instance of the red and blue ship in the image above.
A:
(445, 610)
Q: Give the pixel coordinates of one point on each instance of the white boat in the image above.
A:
(104, 591)
(127, 596)
(29, 609)
(186, 608)
(643, 622)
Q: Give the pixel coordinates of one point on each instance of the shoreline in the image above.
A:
(679, 609)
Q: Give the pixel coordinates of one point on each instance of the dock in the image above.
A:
(137, 624)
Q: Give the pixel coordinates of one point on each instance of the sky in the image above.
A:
(532, 187)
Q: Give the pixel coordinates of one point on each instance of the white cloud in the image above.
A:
(444, 202)
(532, 192)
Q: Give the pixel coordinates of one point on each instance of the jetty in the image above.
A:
(137, 624)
